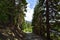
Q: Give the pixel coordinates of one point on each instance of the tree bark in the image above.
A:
(47, 20)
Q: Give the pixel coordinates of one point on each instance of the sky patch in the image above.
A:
(30, 9)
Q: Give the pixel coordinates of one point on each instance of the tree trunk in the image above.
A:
(47, 20)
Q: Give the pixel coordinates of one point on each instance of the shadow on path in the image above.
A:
(31, 36)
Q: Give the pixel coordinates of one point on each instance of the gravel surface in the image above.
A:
(31, 36)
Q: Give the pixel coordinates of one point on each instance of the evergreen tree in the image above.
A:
(45, 14)
(11, 16)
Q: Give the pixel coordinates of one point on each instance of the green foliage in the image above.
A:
(39, 16)
(3, 18)
(27, 26)
(5, 9)
(24, 2)
(11, 15)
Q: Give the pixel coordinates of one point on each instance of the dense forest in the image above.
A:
(46, 19)
(11, 19)
(45, 22)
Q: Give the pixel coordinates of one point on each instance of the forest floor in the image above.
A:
(31, 36)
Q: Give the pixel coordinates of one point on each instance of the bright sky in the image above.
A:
(30, 9)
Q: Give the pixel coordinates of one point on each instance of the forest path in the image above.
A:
(31, 36)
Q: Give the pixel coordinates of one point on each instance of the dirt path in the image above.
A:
(31, 36)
